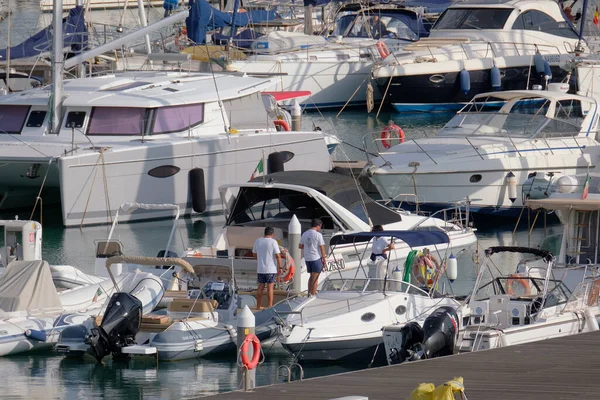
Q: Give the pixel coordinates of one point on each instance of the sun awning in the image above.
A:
(574, 203)
(412, 238)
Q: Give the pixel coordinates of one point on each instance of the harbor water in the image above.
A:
(48, 375)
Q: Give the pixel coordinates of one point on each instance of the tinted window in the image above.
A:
(36, 119)
(538, 21)
(75, 119)
(178, 118)
(117, 121)
(12, 118)
(473, 18)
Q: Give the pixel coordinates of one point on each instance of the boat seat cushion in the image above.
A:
(192, 305)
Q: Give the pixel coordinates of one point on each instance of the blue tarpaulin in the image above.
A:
(204, 17)
(74, 35)
(412, 238)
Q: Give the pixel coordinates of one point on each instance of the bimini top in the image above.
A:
(569, 202)
(412, 238)
(340, 188)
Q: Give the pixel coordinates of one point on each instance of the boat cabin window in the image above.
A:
(75, 119)
(36, 119)
(255, 204)
(534, 20)
(382, 26)
(473, 18)
(117, 121)
(177, 118)
(12, 118)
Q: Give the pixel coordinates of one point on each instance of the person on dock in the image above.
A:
(267, 253)
(314, 253)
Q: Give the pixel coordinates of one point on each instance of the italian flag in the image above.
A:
(258, 170)
(596, 17)
(586, 187)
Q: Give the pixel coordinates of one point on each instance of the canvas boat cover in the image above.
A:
(28, 285)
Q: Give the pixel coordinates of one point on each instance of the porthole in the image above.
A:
(437, 78)
(475, 178)
(400, 310)
(367, 317)
(164, 171)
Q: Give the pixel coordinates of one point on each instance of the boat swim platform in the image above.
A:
(562, 368)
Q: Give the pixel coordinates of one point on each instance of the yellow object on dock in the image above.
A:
(445, 391)
(205, 52)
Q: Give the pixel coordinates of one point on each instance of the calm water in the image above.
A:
(50, 376)
(46, 375)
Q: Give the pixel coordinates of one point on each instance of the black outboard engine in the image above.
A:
(411, 336)
(441, 332)
(120, 324)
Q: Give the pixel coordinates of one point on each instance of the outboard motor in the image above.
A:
(120, 323)
(441, 332)
(411, 338)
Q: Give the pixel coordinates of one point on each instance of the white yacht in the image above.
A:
(298, 196)
(488, 154)
(344, 320)
(335, 70)
(477, 47)
(150, 137)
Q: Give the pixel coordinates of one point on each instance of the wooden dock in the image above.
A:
(564, 368)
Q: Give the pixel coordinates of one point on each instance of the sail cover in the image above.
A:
(74, 35)
(204, 17)
(27, 285)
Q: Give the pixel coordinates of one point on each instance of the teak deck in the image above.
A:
(563, 368)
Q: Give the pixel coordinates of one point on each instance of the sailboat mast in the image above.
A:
(57, 65)
(144, 21)
(8, 50)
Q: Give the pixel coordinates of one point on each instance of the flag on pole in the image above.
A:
(258, 170)
(596, 17)
(586, 187)
(98, 293)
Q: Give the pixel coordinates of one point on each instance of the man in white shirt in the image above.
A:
(314, 253)
(380, 245)
(266, 251)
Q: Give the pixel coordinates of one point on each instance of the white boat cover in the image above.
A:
(27, 285)
(131, 207)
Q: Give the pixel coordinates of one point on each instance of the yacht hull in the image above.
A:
(361, 350)
(419, 93)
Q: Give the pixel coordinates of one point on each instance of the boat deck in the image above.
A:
(563, 368)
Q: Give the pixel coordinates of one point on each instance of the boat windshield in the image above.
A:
(378, 26)
(473, 18)
(369, 285)
(525, 288)
(524, 118)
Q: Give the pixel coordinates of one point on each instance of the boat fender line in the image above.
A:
(538, 61)
(246, 362)
(382, 49)
(465, 81)
(281, 125)
(391, 131)
(547, 71)
(495, 78)
(275, 162)
(590, 320)
(34, 334)
(197, 189)
(516, 278)
(289, 266)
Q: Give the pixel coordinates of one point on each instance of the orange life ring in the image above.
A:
(197, 254)
(250, 364)
(522, 281)
(382, 49)
(594, 293)
(181, 37)
(386, 135)
(289, 265)
(281, 123)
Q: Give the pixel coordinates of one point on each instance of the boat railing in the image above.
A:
(363, 285)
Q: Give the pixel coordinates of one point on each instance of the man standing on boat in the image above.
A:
(266, 251)
(314, 253)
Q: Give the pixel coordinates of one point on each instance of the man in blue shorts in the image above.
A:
(314, 253)
(266, 251)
